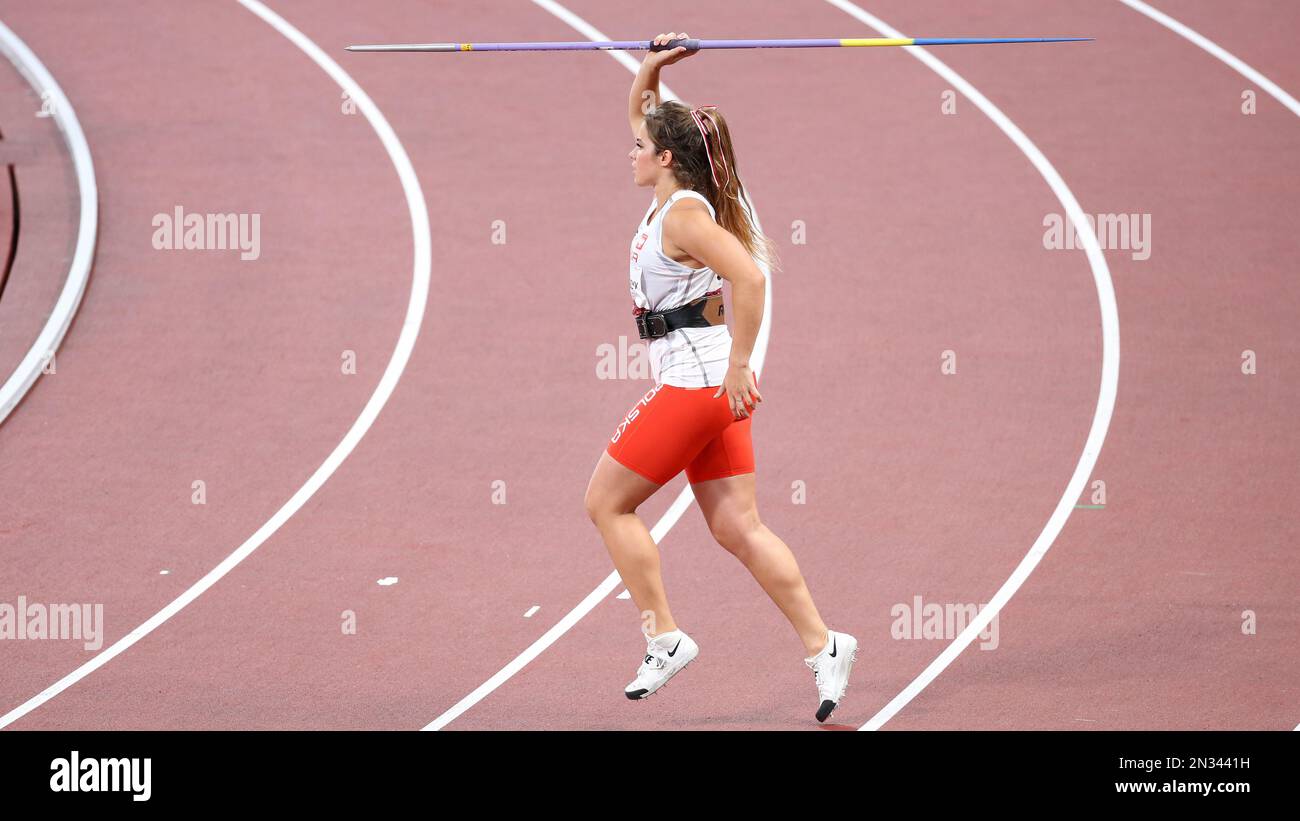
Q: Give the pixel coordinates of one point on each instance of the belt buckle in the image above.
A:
(651, 325)
(658, 325)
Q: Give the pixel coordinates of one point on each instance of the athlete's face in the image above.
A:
(646, 163)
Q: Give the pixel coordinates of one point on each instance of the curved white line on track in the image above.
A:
(683, 499)
(1218, 51)
(420, 275)
(1109, 366)
(47, 341)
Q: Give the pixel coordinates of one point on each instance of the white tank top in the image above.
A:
(686, 357)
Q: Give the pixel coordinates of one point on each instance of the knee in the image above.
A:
(735, 533)
(600, 506)
(591, 502)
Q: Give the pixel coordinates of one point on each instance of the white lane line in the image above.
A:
(1218, 51)
(683, 499)
(396, 364)
(532, 610)
(1109, 367)
(74, 286)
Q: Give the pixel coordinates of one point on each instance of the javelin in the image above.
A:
(694, 45)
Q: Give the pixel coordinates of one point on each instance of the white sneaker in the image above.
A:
(665, 655)
(831, 669)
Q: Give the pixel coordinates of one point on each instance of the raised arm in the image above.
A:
(644, 96)
(645, 88)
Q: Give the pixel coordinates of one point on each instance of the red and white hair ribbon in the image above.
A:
(698, 114)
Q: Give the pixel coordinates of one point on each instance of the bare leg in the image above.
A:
(613, 496)
(729, 508)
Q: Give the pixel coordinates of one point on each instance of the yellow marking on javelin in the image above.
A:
(879, 41)
(466, 46)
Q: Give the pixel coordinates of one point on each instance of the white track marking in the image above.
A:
(532, 610)
(401, 354)
(1109, 366)
(683, 499)
(47, 341)
(1218, 51)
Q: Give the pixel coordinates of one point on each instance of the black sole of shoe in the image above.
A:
(824, 711)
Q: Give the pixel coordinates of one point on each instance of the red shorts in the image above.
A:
(672, 428)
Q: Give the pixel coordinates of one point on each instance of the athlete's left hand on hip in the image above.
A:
(741, 389)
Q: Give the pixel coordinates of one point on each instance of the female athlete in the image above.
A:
(697, 232)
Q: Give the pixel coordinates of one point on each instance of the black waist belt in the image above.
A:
(702, 313)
